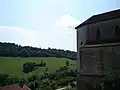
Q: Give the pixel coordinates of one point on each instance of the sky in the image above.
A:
(47, 23)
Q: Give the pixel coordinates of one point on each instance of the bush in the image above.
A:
(42, 87)
(12, 80)
(28, 67)
(42, 64)
(65, 71)
(67, 63)
(109, 82)
(3, 77)
(31, 66)
(52, 76)
(53, 85)
(33, 77)
(70, 89)
(32, 85)
(64, 81)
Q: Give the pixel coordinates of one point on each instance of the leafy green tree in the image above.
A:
(31, 66)
(67, 63)
(28, 67)
(14, 50)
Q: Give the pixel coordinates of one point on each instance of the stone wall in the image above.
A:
(86, 81)
(90, 62)
(95, 60)
(107, 29)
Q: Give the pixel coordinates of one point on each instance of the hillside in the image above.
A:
(14, 50)
(13, 65)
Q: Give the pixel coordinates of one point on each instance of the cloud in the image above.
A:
(19, 35)
(67, 21)
(61, 36)
(66, 33)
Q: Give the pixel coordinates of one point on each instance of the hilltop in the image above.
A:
(15, 50)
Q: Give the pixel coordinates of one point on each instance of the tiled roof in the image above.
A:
(12, 87)
(101, 17)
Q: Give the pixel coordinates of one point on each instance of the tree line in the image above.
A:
(15, 50)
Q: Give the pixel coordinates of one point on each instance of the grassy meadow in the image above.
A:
(13, 65)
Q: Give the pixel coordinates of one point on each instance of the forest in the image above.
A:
(15, 50)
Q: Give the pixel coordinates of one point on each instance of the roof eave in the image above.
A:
(82, 24)
(77, 27)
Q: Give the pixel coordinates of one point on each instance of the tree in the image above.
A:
(42, 63)
(28, 67)
(67, 63)
(46, 69)
(14, 50)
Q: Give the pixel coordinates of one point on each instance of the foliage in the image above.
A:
(64, 81)
(66, 71)
(70, 89)
(3, 77)
(42, 87)
(33, 77)
(45, 80)
(72, 84)
(12, 80)
(31, 66)
(110, 82)
(42, 64)
(67, 63)
(14, 50)
(62, 69)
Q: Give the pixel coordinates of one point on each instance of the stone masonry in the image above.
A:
(96, 60)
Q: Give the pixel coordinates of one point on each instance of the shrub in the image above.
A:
(28, 67)
(67, 63)
(42, 87)
(33, 77)
(64, 81)
(3, 77)
(70, 89)
(12, 80)
(31, 66)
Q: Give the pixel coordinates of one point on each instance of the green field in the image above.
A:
(13, 65)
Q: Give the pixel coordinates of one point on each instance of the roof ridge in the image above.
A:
(115, 10)
(101, 17)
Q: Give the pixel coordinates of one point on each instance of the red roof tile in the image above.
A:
(13, 87)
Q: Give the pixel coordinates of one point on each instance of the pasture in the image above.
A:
(13, 65)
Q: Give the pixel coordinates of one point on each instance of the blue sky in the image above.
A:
(47, 23)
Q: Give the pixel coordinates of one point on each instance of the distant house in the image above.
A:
(14, 87)
(98, 47)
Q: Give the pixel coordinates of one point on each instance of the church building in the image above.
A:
(98, 47)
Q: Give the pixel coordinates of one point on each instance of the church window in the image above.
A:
(117, 31)
(98, 34)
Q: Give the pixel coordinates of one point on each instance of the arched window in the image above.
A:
(81, 43)
(98, 34)
(117, 31)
